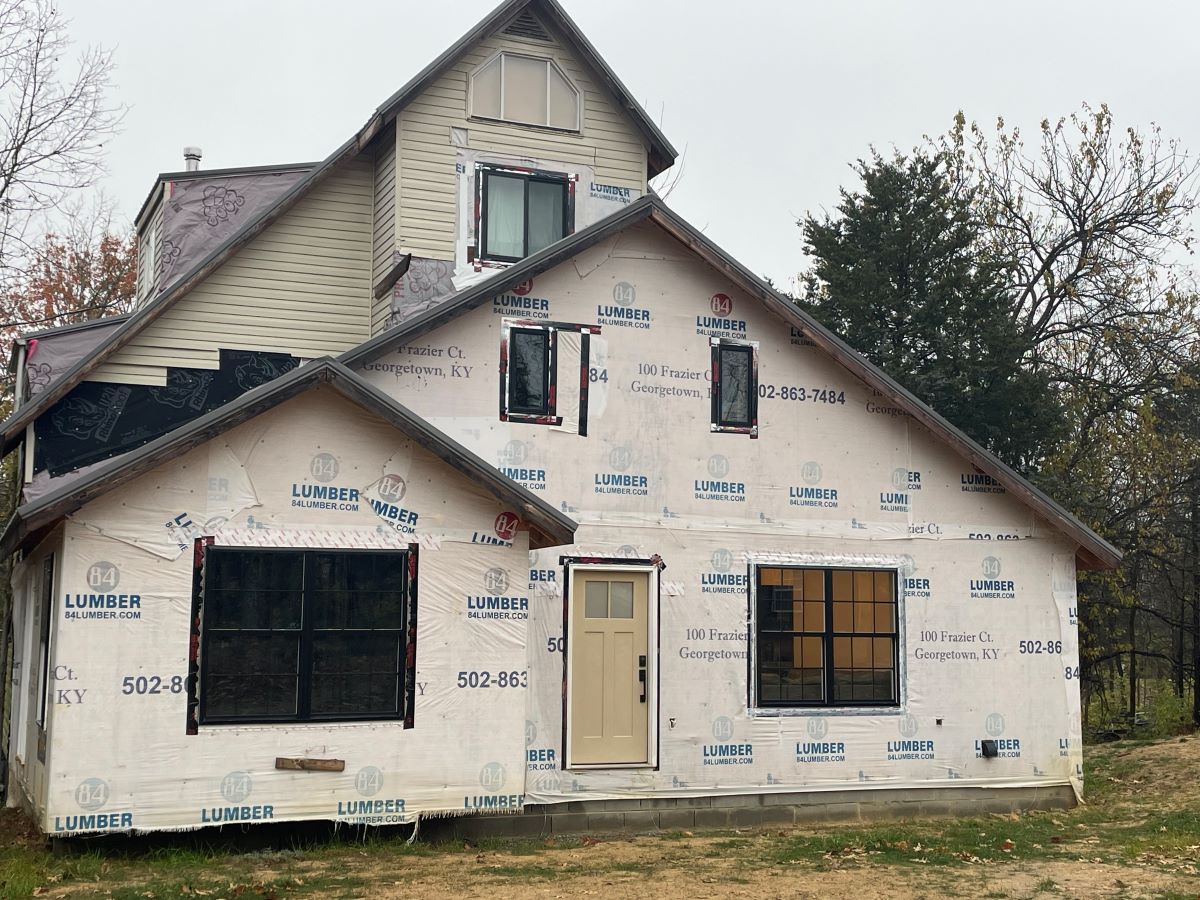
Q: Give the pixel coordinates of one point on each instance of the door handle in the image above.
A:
(642, 676)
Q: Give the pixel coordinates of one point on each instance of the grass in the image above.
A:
(1133, 819)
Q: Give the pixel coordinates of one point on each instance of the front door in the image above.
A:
(608, 667)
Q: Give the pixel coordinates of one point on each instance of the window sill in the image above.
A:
(799, 712)
(549, 129)
(227, 727)
(751, 430)
(522, 419)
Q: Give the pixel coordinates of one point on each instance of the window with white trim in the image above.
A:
(826, 637)
(527, 90)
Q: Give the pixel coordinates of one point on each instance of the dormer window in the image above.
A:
(528, 90)
(520, 211)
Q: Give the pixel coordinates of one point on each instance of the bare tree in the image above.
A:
(54, 120)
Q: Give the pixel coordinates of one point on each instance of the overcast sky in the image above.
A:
(771, 99)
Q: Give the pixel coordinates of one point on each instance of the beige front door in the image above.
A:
(608, 667)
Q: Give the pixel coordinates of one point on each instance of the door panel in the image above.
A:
(607, 650)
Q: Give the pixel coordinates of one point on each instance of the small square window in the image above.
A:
(528, 376)
(520, 212)
(735, 386)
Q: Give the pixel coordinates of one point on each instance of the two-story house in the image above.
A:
(457, 474)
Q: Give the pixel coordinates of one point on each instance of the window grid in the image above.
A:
(826, 637)
(307, 633)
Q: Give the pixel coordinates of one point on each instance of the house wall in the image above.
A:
(650, 479)
(607, 144)
(302, 287)
(29, 759)
(127, 756)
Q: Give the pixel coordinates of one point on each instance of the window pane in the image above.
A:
(262, 696)
(525, 89)
(843, 617)
(546, 201)
(770, 576)
(252, 609)
(843, 585)
(864, 617)
(529, 353)
(251, 673)
(485, 90)
(595, 600)
(862, 653)
(864, 585)
(787, 673)
(885, 617)
(350, 695)
(621, 599)
(235, 570)
(814, 584)
(884, 586)
(777, 610)
(564, 102)
(883, 653)
(734, 387)
(814, 616)
(357, 590)
(504, 218)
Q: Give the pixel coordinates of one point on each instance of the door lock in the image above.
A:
(642, 675)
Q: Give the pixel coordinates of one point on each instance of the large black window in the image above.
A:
(302, 635)
(826, 637)
(734, 387)
(528, 382)
(520, 213)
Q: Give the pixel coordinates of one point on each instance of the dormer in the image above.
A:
(517, 137)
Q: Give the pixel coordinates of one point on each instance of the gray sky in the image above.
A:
(771, 99)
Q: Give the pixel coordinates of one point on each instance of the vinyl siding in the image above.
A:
(148, 255)
(302, 287)
(384, 243)
(608, 142)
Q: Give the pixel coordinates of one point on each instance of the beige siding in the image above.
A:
(608, 142)
(384, 244)
(149, 251)
(302, 287)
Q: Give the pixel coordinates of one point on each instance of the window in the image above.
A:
(826, 637)
(45, 610)
(529, 90)
(296, 636)
(528, 376)
(735, 386)
(520, 212)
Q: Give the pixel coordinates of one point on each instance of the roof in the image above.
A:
(234, 172)
(662, 155)
(1094, 551)
(550, 527)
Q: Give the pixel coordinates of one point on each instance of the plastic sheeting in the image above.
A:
(838, 476)
(316, 471)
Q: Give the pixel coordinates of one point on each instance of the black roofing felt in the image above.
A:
(49, 508)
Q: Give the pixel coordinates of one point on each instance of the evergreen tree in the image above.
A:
(900, 274)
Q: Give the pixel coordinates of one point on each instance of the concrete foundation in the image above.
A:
(749, 811)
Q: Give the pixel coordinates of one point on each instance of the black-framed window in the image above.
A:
(45, 614)
(826, 637)
(734, 386)
(520, 212)
(302, 635)
(528, 376)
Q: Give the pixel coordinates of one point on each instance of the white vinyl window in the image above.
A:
(525, 89)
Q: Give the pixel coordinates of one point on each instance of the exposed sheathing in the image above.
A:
(384, 239)
(302, 287)
(608, 142)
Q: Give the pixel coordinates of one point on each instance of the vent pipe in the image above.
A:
(191, 158)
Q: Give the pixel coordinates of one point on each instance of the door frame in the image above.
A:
(650, 568)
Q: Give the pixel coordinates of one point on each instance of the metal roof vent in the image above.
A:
(191, 158)
(527, 26)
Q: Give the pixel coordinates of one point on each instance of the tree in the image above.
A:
(903, 275)
(53, 123)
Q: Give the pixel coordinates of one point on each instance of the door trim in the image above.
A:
(650, 568)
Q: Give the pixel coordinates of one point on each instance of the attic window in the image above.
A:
(527, 26)
(529, 90)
